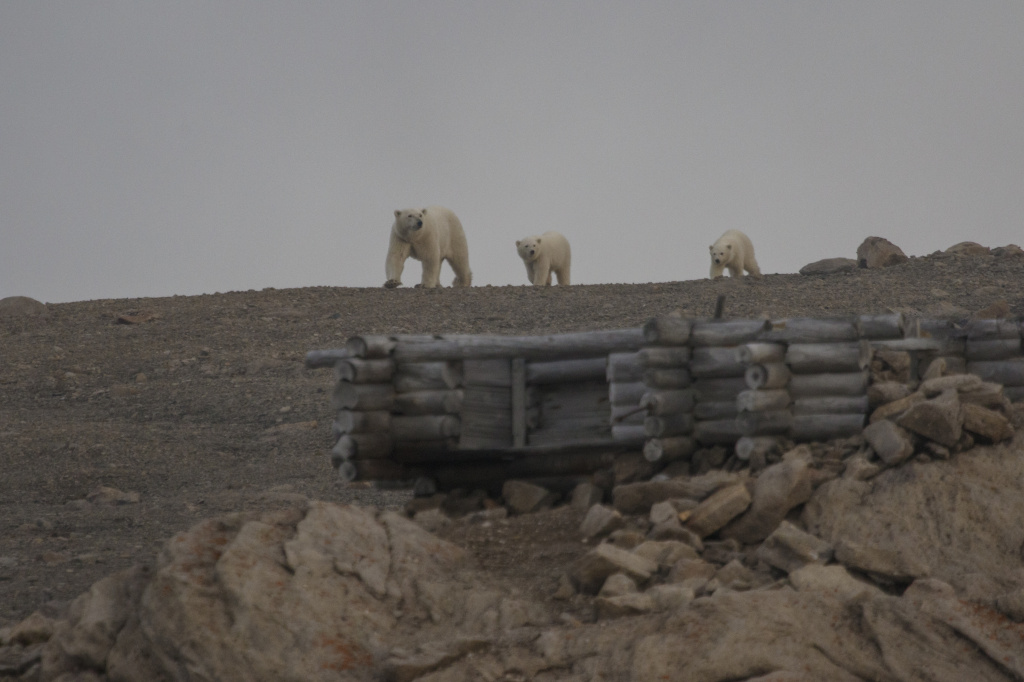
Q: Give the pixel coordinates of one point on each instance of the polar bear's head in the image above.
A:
(528, 248)
(409, 221)
(721, 254)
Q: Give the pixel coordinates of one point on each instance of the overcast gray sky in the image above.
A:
(158, 148)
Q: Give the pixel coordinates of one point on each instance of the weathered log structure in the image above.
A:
(458, 410)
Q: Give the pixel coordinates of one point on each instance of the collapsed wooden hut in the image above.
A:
(459, 410)
(466, 411)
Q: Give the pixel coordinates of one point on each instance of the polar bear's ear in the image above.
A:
(538, 240)
(711, 248)
(424, 211)
(398, 213)
(728, 247)
(518, 242)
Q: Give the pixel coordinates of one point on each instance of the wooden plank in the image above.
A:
(713, 390)
(518, 402)
(993, 349)
(669, 449)
(886, 326)
(811, 330)
(667, 330)
(668, 425)
(317, 359)
(762, 401)
(760, 353)
(831, 405)
(1005, 372)
(726, 332)
(362, 397)
(497, 373)
(549, 347)
(771, 423)
(374, 470)
(667, 378)
(718, 409)
(624, 367)
(565, 371)
(665, 357)
(823, 427)
(425, 376)
(626, 393)
(424, 427)
(428, 402)
(818, 385)
(668, 402)
(717, 432)
(715, 362)
(350, 421)
(362, 446)
(767, 376)
(360, 371)
(820, 358)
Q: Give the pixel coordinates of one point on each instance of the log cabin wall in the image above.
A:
(455, 410)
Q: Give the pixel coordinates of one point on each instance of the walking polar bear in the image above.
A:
(734, 251)
(546, 254)
(429, 235)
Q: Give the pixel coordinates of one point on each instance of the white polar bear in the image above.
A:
(543, 255)
(430, 235)
(734, 251)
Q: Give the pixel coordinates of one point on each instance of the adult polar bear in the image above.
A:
(543, 255)
(429, 235)
(734, 251)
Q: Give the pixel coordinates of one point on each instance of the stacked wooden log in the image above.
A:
(993, 352)
(454, 409)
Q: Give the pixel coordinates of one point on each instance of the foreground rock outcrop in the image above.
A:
(912, 574)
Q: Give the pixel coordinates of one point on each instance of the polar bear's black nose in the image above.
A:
(419, 224)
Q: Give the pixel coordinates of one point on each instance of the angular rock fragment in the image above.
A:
(718, 510)
(790, 548)
(939, 419)
(890, 442)
(594, 567)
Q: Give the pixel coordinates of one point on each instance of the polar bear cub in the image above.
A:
(543, 255)
(429, 235)
(734, 251)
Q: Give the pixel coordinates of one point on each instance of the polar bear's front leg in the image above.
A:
(431, 269)
(398, 252)
(716, 270)
(541, 272)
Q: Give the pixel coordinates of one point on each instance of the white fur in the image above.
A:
(734, 251)
(543, 255)
(430, 235)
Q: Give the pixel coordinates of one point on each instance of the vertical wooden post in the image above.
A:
(518, 402)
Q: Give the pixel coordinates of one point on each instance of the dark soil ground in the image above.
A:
(207, 407)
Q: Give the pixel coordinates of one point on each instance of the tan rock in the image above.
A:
(958, 382)
(600, 520)
(790, 548)
(878, 252)
(887, 392)
(896, 407)
(718, 510)
(834, 580)
(988, 424)
(666, 553)
(593, 568)
(779, 488)
(939, 419)
(890, 442)
(522, 497)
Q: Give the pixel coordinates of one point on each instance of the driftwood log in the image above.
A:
(669, 449)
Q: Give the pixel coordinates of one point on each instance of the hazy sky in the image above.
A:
(158, 148)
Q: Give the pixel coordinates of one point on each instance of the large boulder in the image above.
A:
(956, 520)
(21, 306)
(320, 593)
(829, 266)
(878, 252)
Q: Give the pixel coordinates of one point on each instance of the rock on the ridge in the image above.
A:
(878, 252)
